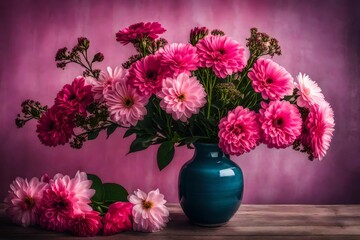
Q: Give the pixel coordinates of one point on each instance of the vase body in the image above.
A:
(210, 186)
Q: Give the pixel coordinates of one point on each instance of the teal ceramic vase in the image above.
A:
(210, 186)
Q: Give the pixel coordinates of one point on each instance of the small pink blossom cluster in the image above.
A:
(62, 204)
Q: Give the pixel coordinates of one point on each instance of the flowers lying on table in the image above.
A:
(84, 206)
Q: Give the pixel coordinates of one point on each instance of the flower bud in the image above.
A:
(198, 33)
(99, 57)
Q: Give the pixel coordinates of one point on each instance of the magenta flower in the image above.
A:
(271, 80)
(280, 123)
(118, 218)
(64, 198)
(54, 127)
(125, 105)
(309, 92)
(146, 75)
(239, 131)
(319, 128)
(139, 31)
(85, 224)
(23, 201)
(182, 96)
(224, 55)
(179, 58)
(149, 212)
(75, 98)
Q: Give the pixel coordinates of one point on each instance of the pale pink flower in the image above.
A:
(182, 96)
(319, 128)
(224, 55)
(23, 201)
(64, 198)
(86, 224)
(280, 123)
(239, 131)
(149, 212)
(125, 105)
(309, 91)
(118, 218)
(271, 80)
(179, 58)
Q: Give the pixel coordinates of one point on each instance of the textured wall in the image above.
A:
(319, 38)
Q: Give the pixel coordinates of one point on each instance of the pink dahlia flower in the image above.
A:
(118, 218)
(280, 123)
(182, 96)
(223, 54)
(271, 80)
(106, 81)
(85, 224)
(54, 127)
(149, 212)
(319, 128)
(309, 91)
(146, 75)
(239, 131)
(179, 58)
(24, 199)
(125, 105)
(75, 98)
(138, 31)
(64, 198)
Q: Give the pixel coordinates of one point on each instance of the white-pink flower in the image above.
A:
(24, 199)
(149, 212)
(309, 91)
(182, 96)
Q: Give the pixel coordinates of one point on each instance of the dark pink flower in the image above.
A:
(54, 127)
(118, 218)
(139, 31)
(85, 224)
(75, 98)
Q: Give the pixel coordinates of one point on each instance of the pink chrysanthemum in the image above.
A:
(146, 75)
(125, 105)
(182, 96)
(64, 198)
(239, 131)
(309, 92)
(75, 98)
(138, 31)
(149, 211)
(24, 199)
(280, 123)
(223, 54)
(118, 218)
(319, 128)
(85, 224)
(271, 80)
(179, 58)
(54, 127)
(106, 80)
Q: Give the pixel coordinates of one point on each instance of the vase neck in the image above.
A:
(207, 151)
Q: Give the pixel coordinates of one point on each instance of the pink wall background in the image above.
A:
(320, 38)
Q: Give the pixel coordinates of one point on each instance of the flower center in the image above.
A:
(29, 203)
(128, 102)
(72, 97)
(222, 51)
(147, 205)
(279, 122)
(61, 204)
(269, 81)
(181, 97)
(151, 75)
(51, 126)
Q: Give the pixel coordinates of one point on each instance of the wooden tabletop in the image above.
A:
(305, 222)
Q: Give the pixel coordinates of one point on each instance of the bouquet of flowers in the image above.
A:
(176, 94)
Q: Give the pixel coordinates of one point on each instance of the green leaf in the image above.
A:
(93, 135)
(110, 130)
(114, 193)
(130, 131)
(140, 143)
(165, 154)
(98, 187)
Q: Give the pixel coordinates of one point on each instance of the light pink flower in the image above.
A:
(319, 128)
(223, 54)
(309, 91)
(64, 198)
(182, 96)
(280, 123)
(139, 31)
(179, 58)
(23, 201)
(86, 224)
(239, 131)
(125, 105)
(118, 218)
(271, 80)
(150, 213)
